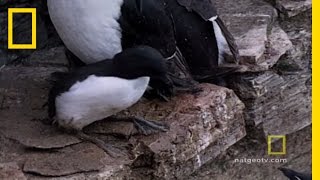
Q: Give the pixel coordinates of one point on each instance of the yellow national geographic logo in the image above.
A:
(270, 138)
(33, 12)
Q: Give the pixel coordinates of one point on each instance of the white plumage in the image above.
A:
(89, 28)
(96, 98)
(221, 40)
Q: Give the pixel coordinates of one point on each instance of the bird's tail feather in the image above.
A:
(230, 40)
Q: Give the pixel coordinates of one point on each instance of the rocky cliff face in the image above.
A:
(270, 96)
(278, 95)
(46, 35)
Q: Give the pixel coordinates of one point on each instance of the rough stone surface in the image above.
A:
(224, 167)
(23, 92)
(277, 102)
(249, 25)
(11, 171)
(46, 35)
(271, 97)
(278, 44)
(207, 125)
(289, 8)
(27, 132)
(298, 58)
(75, 159)
(272, 100)
(201, 127)
(274, 83)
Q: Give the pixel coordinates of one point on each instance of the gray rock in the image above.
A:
(3, 58)
(272, 100)
(260, 43)
(75, 159)
(278, 44)
(289, 8)
(254, 146)
(277, 101)
(201, 127)
(298, 58)
(78, 176)
(53, 57)
(271, 97)
(22, 28)
(251, 38)
(33, 133)
(249, 25)
(23, 92)
(11, 171)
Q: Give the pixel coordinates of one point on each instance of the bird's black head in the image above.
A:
(140, 61)
(144, 61)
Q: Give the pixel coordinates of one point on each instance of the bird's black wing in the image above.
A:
(206, 10)
(230, 39)
(203, 7)
(146, 22)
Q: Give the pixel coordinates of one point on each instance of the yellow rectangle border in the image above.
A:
(11, 11)
(270, 137)
(315, 90)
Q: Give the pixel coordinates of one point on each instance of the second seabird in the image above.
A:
(102, 89)
(94, 30)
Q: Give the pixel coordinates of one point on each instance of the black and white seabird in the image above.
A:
(94, 30)
(98, 29)
(294, 175)
(201, 36)
(99, 90)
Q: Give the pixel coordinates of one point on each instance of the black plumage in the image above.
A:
(130, 64)
(179, 29)
(294, 175)
(196, 37)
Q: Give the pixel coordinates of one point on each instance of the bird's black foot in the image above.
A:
(187, 85)
(125, 127)
(179, 74)
(109, 149)
(148, 127)
(179, 86)
(156, 94)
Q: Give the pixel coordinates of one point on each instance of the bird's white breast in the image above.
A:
(96, 98)
(89, 28)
